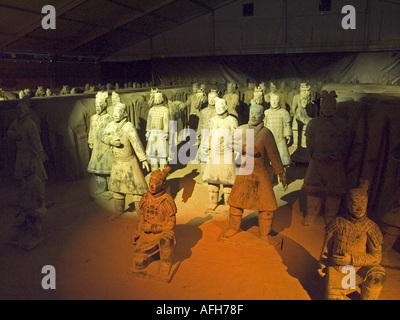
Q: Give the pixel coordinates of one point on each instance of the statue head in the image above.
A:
(158, 98)
(158, 180)
(115, 97)
(119, 112)
(258, 95)
(328, 103)
(221, 106)
(211, 97)
(274, 100)
(272, 87)
(256, 114)
(101, 101)
(24, 107)
(195, 86)
(357, 200)
(230, 87)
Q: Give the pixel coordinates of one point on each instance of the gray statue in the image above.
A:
(102, 156)
(327, 145)
(26, 230)
(25, 132)
(126, 174)
(220, 167)
(278, 120)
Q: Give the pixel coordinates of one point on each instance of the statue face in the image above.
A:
(274, 101)
(357, 206)
(211, 98)
(156, 186)
(256, 116)
(221, 107)
(22, 110)
(100, 105)
(119, 113)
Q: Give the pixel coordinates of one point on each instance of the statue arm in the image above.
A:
(287, 126)
(90, 135)
(273, 153)
(136, 143)
(12, 131)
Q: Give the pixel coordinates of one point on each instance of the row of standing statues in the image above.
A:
(244, 158)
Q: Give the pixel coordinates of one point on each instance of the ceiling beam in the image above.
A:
(118, 24)
(201, 4)
(37, 23)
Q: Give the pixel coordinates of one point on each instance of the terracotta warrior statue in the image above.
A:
(220, 167)
(327, 145)
(157, 132)
(301, 117)
(155, 232)
(252, 188)
(126, 173)
(195, 102)
(40, 92)
(26, 230)
(232, 98)
(102, 156)
(25, 132)
(355, 241)
(390, 224)
(278, 120)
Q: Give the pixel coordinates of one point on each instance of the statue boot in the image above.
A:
(313, 208)
(101, 183)
(213, 197)
(234, 226)
(265, 224)
(119, 202)
(227, 193)
(166, 260)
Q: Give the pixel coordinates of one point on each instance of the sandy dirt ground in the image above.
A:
(92, 255)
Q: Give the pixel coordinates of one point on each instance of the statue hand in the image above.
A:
(282, 179)
(116, 142)
(341, 260)
(145, 165)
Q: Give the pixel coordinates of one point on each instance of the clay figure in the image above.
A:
(327, 145)
(24, 131)
(157, 132)
(355, 241)
(40, 92)
(390, 224)
(232, 98)
(278, 120)
(194, 104)
(301, 103)
(126, 174)
(155, 231)
(252, 188)
(221, 166)
(102, 156)
(65, 90)
(26, 230)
